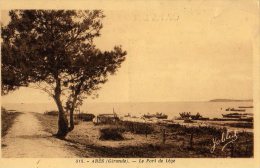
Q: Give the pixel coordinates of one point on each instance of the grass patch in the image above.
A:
(7, 120)
(49, 122)
(137, 127)
(241, 125)
(140, 143)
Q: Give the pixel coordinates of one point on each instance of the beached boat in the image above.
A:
(185, 115)
(247, 119)
(202, 118)
(249, 114)
(106, 119)
(233, 109)
(130, 116)
(235, 115)
(245, 106)
(198, 117)
(231, 115)
(157, 115)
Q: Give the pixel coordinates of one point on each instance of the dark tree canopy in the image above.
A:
(53, 50)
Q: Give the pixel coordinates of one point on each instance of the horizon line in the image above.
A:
(211, 100)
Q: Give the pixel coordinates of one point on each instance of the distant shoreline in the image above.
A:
(230, 100)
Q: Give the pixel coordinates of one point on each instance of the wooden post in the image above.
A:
(132, 127)
(183, 143)
(232, 150)
(191, 141)
(246, 146)
(146, 131)
(164, 136)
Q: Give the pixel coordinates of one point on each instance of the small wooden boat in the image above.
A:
(198, 117)
(245, 106)
(248, 119)
(233, 109)
(234, 115)
(157, 115)
(185, 115)
(128, 115)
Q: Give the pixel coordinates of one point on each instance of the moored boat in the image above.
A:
(245, 106)
(237, 115)
(198, 117)
(232, 115)
(157, 115)
(233, 109)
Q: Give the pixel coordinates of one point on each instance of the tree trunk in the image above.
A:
(72, 113)
(71, 120)
(72, 108)
(62, 121)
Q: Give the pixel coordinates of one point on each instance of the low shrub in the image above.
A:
(111, 133)
(52, 113)
(7, 119)
(85, 116)
(201, 130)
(241, 125)
(137, 127)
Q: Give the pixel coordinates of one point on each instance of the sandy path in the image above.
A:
(26, 138)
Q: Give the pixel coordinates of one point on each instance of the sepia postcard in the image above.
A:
(130, 83)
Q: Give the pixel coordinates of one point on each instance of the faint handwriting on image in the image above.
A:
(226, 138)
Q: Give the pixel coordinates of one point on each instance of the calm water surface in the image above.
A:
(172, 109)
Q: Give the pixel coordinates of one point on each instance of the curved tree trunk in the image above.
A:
(72, 108)
(72, 113)
(63, 128)
(71, 120)
(62, 121)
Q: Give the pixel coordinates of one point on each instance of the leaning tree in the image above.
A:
(53, 50)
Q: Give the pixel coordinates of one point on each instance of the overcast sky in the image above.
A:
(185, 51)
